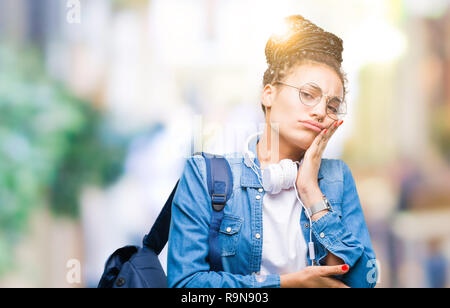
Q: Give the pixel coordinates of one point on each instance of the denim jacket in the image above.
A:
(342, 231)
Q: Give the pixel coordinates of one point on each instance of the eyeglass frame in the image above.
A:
(321, 96)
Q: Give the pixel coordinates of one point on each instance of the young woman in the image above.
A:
(294, 219)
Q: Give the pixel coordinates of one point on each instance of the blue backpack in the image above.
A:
(139, 267)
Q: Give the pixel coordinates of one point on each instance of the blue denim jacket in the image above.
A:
(341, 231)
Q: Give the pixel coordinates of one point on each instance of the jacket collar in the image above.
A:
(248, 176)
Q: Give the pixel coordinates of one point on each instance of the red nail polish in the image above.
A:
(341, 122)
(345, 267)
(325, 131)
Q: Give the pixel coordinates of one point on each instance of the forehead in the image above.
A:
(320, 74)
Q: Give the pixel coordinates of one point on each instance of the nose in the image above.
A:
(319, 111)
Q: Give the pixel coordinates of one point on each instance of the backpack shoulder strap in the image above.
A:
(220, 187)
(157, 238)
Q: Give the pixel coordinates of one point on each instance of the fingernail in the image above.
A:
(345, 267)
(336, 124)
(325, 131)
(341, 122)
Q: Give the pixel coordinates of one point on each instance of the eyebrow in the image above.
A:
(312, 84)
(319, 88)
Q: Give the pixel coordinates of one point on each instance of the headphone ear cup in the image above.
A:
(272, 178)
(293, 175)
(289, 170)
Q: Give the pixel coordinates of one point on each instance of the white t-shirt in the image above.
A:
(284, 247)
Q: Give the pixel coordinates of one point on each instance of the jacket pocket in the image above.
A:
(229, 233)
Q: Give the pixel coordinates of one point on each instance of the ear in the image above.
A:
(267, 96)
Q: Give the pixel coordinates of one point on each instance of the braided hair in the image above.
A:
(303, 42)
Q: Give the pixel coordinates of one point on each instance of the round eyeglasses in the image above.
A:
(311, 94)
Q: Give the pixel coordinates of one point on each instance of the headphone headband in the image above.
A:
(249, 156)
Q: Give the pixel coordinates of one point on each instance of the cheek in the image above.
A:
(287, 116)
(286, 110)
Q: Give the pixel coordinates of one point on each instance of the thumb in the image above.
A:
(335, 269)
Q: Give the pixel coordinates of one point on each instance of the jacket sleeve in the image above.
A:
(187, 264)
(347, 237)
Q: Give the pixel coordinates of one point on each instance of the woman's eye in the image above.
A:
(332, 109)
(306, 95)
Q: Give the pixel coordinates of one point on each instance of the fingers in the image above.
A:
(323, 276)
(332, 128)
(327, 271)
(326, 134)
(322, 138)
(334, 270)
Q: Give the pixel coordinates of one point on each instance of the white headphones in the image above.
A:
(275, 177)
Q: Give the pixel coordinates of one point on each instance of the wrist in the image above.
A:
(311, 196)
(319, 209)
(319, 215)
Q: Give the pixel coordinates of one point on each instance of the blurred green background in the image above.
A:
(50, 145)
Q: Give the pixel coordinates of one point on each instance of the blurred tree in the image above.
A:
(51, 145)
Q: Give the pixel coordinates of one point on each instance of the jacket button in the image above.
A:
(260, 189)
(228, 229)
(120, 282)
(258, 197)
(322, 235)
(306, 225)
(258, 236)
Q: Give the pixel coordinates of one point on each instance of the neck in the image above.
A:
(267, 148)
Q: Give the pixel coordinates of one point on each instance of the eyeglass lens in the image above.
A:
(311, 95)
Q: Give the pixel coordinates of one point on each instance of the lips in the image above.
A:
(312, 125)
